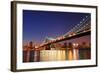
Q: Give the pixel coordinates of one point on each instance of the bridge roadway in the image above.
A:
(68, 37)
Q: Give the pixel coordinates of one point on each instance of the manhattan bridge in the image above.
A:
(79, 30)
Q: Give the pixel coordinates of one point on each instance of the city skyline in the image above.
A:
(40, 24)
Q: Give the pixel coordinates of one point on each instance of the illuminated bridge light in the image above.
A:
(70, 35)
(80, 22)
(83, 19)
(86, 16)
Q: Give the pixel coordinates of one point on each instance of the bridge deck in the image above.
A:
(69, 37)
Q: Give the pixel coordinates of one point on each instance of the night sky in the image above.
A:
(37, 25)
